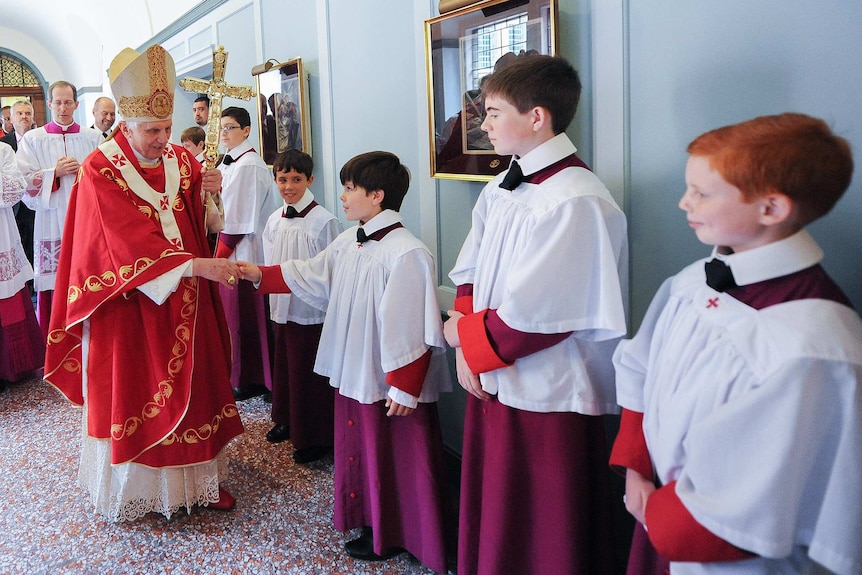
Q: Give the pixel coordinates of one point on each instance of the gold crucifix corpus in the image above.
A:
(216, 89)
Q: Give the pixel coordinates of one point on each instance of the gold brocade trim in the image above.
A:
(185, 171)
(151, 409)
(127, 272)
(93, 283)
(160, 101)
(204, 432)
(55, 336)
(113, 177)
(179, 351)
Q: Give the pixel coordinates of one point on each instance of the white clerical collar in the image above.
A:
(773, 260)
(381, 220)
(145, 162)
(546, 153)
(303, 202)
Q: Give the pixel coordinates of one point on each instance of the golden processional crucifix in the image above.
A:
(215, 89)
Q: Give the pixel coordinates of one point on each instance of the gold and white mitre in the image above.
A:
(143, 84)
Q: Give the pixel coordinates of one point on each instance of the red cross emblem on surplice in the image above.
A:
(119, 160)
(712, 302)
(164, 203)
(169, 152)
(177, 243)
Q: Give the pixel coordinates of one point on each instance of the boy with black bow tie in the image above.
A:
(302, 401)
(382, 347)
(539, 310)
(741, 390)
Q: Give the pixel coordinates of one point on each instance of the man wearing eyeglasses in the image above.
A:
(249, 197)
(49, 158)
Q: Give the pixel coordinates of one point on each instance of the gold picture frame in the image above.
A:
(282, 107)
(461, 48)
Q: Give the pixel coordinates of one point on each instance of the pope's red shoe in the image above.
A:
(225, 502)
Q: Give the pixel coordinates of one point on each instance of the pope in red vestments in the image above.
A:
(137, 332)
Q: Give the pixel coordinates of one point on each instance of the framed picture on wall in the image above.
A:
(282, 107)
(461, 48)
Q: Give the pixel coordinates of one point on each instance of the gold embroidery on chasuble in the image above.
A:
(204, 432)
(70, 363)
(179, 353)
(158, 206)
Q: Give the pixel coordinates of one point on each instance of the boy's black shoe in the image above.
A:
(363, 548)
(248, 392)
(278, 433)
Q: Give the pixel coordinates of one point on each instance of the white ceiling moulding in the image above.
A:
(183, 22)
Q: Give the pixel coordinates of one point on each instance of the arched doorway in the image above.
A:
(18, 81)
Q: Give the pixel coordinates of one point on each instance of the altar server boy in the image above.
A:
(302, 401)
(539, 311)
(741, 390)
(382, 347)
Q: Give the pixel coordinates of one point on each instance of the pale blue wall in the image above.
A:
(374, 78)
(695, 66)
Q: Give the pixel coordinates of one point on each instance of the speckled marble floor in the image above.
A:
(282, 523)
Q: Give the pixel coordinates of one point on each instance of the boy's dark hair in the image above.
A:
(538, 80)
(203, 99)
(293, 160)
(378, 171)
(792, 154)
(241, 115)
(194, 134)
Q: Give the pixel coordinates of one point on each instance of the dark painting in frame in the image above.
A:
(461, 48)
(283, 108)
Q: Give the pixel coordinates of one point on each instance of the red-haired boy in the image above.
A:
(741, 390)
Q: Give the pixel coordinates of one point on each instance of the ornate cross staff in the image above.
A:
(216, 89)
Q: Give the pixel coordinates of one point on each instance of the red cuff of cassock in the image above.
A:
(677, 535)
(56, 185)
(222, 251)
(630, 449)
(410, 377)
(272, 280)
(476, 344)
(464, 304)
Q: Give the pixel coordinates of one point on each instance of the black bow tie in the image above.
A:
(513, 178)
(290, 212)
(227, 160)
(719, 275)
(361, 236)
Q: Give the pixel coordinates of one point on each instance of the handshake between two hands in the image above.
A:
(226, 272)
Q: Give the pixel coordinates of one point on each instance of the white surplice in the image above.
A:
(38, 152)
(757, 414)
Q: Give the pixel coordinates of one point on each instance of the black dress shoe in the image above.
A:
(363, 548)
(248, 392)
(267, 397)
(278, 433)
(310, 454)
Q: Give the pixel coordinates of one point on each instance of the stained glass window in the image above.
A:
(14, 73)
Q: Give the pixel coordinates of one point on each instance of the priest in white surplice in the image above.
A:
(49, 158)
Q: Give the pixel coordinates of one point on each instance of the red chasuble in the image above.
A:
(157, 375)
